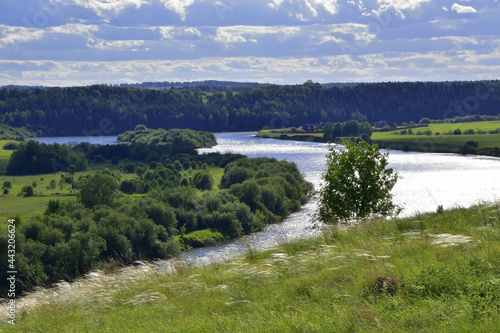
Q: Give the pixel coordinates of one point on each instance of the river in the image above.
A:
(426, 181)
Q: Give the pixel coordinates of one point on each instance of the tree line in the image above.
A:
(351, 128)
(109, 110)
(143, 144)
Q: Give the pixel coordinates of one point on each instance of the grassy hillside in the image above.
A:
(431, 273)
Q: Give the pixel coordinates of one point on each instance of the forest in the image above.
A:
(176, 199)
(109, 110)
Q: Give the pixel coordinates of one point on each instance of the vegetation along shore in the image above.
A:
(480, 137)
(83, 213)
(436, 272)
(153, 195)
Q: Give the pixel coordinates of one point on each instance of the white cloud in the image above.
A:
(305, 10)
(178, 6)
(461, 9)
(103, 7)
(166, 32)
(18, 35)
(330, 6)
(403, 4)
(118, 45)
(74, 29)
(394, 66)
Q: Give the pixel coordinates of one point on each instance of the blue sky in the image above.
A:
(81, 42)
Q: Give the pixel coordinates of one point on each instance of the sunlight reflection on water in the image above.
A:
(427, 180)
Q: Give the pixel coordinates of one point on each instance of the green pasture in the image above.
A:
(14, 203)
(11, 206)
(439, 140)
(434, 272)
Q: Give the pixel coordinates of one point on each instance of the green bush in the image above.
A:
(203, 180)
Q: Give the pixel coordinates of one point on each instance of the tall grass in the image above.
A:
(431, 273)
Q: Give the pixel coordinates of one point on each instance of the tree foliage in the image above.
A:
(351, 128)
(174, 139)
(33, 158)
(14, 133)
(72, 236)
(99, 189)
(108, 110)
(357, 183)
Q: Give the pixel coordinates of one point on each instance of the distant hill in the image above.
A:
(11, 86)
(213, 84)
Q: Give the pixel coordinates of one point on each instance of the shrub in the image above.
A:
(98, 190)
(203, 180)
(27, 191)
(11, 146)
(99, 159)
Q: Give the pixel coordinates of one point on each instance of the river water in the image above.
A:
(426, 181)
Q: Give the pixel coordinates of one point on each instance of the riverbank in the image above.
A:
(472, 138)
(437, 272)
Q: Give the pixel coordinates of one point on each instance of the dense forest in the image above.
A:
(109, 110)
(173, 202)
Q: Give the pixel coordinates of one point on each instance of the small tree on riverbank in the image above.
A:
(357, 183)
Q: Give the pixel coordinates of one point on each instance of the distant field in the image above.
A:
(438, 140)
(11, 206)
(13, 203)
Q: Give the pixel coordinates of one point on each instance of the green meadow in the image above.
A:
(437, 138)
(14, 203)
(437, 272)
(441, 138)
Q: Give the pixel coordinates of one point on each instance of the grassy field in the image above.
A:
(14, 203)
(431, 273)
(439, 139)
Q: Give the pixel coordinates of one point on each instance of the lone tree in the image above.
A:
(357, 183)
(99, 190)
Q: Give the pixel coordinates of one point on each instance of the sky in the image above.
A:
(83, 42)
